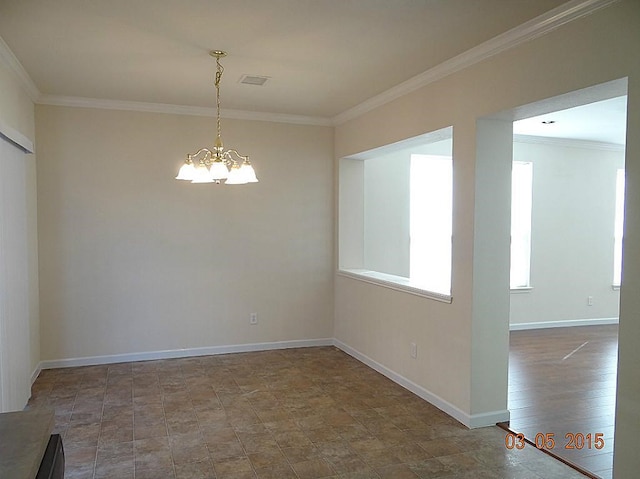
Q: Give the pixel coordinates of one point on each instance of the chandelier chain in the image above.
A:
(219, 72)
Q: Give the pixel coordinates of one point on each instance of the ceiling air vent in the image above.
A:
(253, 80)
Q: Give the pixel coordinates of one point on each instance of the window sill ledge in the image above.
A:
(524, 289)
(390, 281)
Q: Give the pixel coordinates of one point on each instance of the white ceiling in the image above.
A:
(602, 121)
(322, 57)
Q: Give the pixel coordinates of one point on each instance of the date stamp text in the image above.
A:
(548, 441)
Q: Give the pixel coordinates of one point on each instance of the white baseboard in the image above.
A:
(488, 419)
(563, 323)
(179, 353)
(36, 372)
(471, 421)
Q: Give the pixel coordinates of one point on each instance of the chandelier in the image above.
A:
(212, 166)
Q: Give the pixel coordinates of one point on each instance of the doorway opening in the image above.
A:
(564, 301)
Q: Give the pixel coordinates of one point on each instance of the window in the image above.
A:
(431, 215)
(618, 229)
(521, 202)
(395, 215)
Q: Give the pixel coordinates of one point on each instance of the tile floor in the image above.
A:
(298, 413)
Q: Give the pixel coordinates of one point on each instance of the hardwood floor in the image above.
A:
(562, 381)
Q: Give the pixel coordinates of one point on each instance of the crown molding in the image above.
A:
(104, 104)
(568, 142)
(276, 117)
(11, 61)
(534, 28)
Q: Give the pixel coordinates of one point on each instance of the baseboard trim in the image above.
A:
(563, 323)
(179, 353)
(36, 373)
(471, 421)
(488, 419)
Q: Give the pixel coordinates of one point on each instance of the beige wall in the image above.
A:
(16, 108)
(17, 113)
(132, 260)
(452, 339)
(626, 459)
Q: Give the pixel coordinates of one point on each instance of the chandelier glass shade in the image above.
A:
(217, 164)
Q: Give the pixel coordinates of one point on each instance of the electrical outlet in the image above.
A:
(414, 350)
(589, 300)
(253, 318)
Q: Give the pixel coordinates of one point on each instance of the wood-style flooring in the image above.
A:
(563, 381)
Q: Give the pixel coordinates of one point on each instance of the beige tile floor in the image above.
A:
(298, 413)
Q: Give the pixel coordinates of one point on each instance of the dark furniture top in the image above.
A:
(24, 436)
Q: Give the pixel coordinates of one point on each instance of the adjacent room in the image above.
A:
(274, 238)
(568, 175)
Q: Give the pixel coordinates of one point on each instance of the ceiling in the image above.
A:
(321, 57)
(602, 121)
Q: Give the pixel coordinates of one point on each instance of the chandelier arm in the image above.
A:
(206, 151)
(242, 157)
